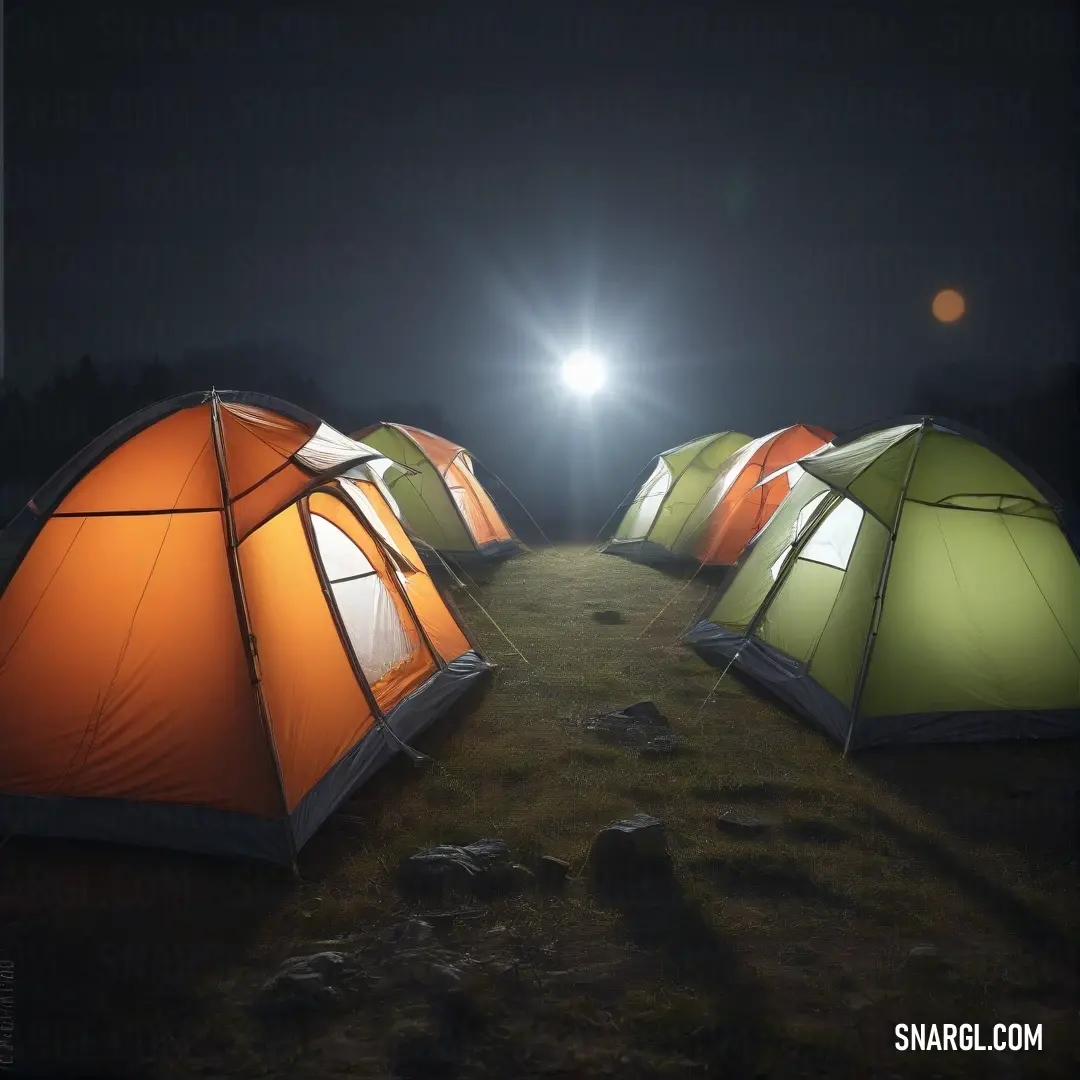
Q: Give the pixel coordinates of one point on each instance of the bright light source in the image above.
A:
(583, 372)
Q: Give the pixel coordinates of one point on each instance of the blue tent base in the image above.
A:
(788, 680)
(230, 833)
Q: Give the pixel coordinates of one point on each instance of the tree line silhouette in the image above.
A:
(1037, 419)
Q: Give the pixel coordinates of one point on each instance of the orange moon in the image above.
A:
(948, 306)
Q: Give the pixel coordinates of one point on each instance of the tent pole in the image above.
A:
(242, 614)
(879, 596)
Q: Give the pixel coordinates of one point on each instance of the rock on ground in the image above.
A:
(303, 983)
(633, 847)
(640, 726)
(448, 869)
(551, 873)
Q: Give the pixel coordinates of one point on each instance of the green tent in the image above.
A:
(661, 510)
(436, 490)
(916, 585)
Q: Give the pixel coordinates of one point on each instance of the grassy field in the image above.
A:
(784, 954)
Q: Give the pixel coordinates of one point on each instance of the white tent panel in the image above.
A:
(367, 610)
(643, 513)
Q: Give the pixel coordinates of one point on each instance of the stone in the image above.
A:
(924, 952)
(522, 879)
(303, 983)
(551, 873)
(335, 944)
(438, 871)
(640, 726)
(447, 869)
(488, 852)
(633, 846)
(500, 879)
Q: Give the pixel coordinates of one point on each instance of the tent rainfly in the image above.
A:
(916, 585)
(216, 630)
(655, 520)
(434, 484)
(748, 488)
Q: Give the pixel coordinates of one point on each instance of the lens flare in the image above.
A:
(948, 306)
(583, 372)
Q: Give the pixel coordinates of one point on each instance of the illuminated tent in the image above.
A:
(748, 488)
(680, 478)
(216, 630)
(435, 487)
(916, 585)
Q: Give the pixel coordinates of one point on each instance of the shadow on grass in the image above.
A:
(1023, 920)
(766, 791)
(710, 576)
(659, 918)
(818, 832)
(112, 945)
(688, 570)
(744, 1037)
(770, 877)
(1022, 793)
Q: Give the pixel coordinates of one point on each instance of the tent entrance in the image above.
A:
(368, 613)
(639, 519)
(801, 609)
(470, 500)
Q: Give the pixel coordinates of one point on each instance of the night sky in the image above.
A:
(747, 208)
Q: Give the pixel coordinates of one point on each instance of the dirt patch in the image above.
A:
(608, 617)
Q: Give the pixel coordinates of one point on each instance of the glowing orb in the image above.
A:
(583, 372)
(948, 306)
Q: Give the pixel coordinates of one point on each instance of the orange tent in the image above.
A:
(216, 631)
(439, 495)
(748, 489)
